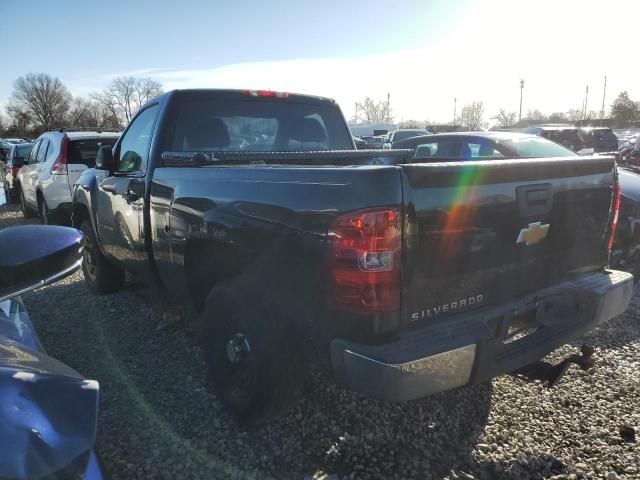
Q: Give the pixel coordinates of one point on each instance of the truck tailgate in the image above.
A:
(478, 233)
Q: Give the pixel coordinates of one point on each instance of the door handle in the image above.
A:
(109, 188)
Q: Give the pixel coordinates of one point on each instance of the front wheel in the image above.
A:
(101, 275)
(254, 363)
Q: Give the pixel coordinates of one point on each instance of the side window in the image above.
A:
(42, 151)
(479, 149)
(34, 152)
(53, 151)
(133, 151)
(426, 150)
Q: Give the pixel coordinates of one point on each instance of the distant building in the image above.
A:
(371, 129)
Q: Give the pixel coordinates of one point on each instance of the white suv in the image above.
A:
(56, 161)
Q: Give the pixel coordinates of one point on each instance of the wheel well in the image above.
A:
(79, 213)
(206, 264)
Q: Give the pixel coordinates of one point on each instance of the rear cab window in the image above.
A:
(207, 123)
(84, 151)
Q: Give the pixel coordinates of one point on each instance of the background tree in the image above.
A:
(574, 115)
(125, 95)
(535, 116)
(471, 116)
(413, 124)
(505, 119)
(557, 117)
(41, 98)
(624, 111)
(3, 125)
(370, 111)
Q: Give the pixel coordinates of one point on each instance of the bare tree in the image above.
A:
(413, 124)
(574, 115)
(471, 116)
(43, 98)
(125, 95)
(79, 113)
(536, 116)
(505, 119)
(109, 108)
(557, 117)
(3, 124)
(19, 121)
(371, 111)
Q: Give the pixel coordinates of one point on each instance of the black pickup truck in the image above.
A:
(408, 278)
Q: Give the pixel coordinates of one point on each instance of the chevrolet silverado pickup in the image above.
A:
(408, 277)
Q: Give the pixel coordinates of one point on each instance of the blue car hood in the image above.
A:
(48, 411)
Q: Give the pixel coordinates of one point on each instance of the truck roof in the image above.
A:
(237, 93)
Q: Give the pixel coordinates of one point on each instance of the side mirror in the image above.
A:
(104, 159)
(33, 256)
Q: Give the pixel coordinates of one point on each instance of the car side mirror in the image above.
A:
(104, 159)
(33, 256)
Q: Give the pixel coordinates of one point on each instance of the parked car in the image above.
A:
(360, 143)
(407, 277)
(565, 136)
(374, 142)
(10, 167)
(55, 162)
(4, 150)
(403, 133)
(600, 139)
(48, 411)
(482, 146)
(16, 140)
(625, 253)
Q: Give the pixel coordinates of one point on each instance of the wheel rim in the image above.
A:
(241, 371)
(234, 361)
(89, 259)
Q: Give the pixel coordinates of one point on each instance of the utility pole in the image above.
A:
(455, 105)
(604, 94)
(586, 99)
(388, 106)
(521, 88)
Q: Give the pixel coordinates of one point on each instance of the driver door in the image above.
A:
(121, 195)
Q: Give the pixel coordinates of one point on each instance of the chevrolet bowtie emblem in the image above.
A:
(533, 233)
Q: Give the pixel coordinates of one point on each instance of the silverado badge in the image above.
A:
(533, 233)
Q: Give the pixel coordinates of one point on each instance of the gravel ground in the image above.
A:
(159, 419)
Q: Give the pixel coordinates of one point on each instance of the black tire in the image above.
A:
(43, 211)
(101, 275)
(254, 363)
(27, 212)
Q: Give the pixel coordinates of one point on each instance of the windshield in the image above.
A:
(536, 147)
(403, 134)
(22, 150)
(210, 124)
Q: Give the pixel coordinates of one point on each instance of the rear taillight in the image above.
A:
(14, 171)
(613, 214)
(264, 93)
(364, 260)
(60, 165)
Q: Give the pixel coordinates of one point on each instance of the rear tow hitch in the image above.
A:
(552, 374)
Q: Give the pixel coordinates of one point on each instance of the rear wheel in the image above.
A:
(43, 211)
(101, 275)
(254, 363)
(27, 211)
